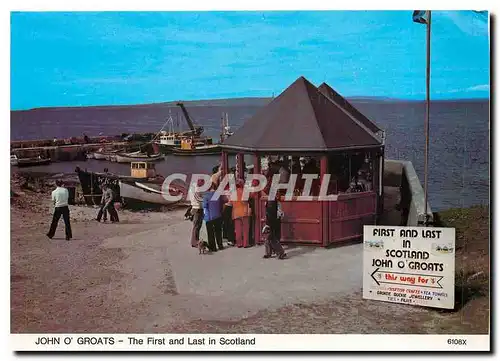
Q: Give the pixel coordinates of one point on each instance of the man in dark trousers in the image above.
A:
(212, 213)
(60, 197)
(197, 212)
(103, 213)
(273, 231)
(107, 204)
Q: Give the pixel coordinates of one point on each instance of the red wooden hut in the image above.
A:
(317, 123)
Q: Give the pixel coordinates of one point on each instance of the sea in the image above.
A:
(459, 150)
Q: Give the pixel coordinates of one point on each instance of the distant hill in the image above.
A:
(234, 102)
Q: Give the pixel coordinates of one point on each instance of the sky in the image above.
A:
(115, 58)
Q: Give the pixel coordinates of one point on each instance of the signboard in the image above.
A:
(410, 265)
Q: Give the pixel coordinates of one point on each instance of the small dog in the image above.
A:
(188, 216)
(202, 246)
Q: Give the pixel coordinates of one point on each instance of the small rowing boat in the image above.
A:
(138, 157)
(150, 193)
(102, 154)
(29, 162)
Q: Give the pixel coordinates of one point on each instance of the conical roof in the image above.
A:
(301, 119)
(344, 104)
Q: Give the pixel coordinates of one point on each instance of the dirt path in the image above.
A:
(141, 276)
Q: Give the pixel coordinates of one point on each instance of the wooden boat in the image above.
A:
(105, 154)
(211, 149)
(143, 173)
(138, 157)
(32, 162)
(149, 193)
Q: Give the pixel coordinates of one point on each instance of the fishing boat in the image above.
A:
(146, 187)
(138, 157)
(169, 141)
(29, 162)
(130, 189)
(166, 140)
(212, 149)
(149, 193)
(196, 145)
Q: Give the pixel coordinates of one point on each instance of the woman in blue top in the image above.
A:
(212, 210)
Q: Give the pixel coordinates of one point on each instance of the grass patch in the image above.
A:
(472, 227)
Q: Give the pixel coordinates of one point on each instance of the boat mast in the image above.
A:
(168, 121)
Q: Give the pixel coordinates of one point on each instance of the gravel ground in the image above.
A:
(139, 276)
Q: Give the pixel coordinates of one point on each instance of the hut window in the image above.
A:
(142, 165)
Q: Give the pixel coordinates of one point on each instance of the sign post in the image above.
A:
(410, 265)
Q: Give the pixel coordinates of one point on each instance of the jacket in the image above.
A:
(240, 207)
(212, 209)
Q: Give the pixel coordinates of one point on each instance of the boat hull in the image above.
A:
(32, 162)
(165, 149)
(106, 155)
(91, 182)
(99, 156)
(205, 150)
(124, 158)
(144, 193)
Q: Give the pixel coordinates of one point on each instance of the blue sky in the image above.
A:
(78, 59)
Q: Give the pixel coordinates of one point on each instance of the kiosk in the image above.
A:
(319, 125)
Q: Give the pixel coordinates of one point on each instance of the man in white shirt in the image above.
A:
(60, 197)
(197, 212)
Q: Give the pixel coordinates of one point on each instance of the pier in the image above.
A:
(70, 149)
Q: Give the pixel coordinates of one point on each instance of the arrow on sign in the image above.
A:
(378, 284)
(434, 279)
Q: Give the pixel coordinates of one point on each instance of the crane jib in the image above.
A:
(197, 130)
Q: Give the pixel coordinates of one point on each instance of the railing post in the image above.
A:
(324, 223)
(256, 170)
(224, 162)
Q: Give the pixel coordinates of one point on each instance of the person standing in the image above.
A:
(212, 215)
(216, 175)
(273, 230)
(241, 217)
(107, 205)
(273, 221)
(227, 221)
(60, 197)
(103, 213)
(113, 214)
(197, 213)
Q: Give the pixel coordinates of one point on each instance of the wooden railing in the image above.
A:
(349, 213)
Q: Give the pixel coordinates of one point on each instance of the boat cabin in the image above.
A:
(187, 143)
(142, 170)
(170, 139)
